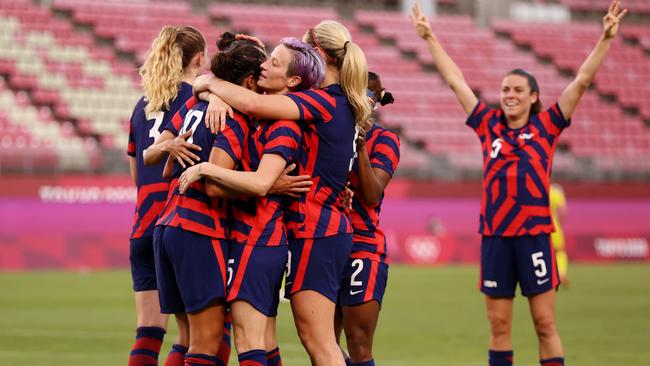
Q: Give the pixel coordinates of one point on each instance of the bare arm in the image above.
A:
(372, 181)
(248, 101)
(450, 72)
(168, 169)
(133, 168)
(220, 158)
(257, 183)
(572, 94)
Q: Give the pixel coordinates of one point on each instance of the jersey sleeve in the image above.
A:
(553, 119)
(176, 122)
(232, 139)
(385, 152)
(316, 106)
(479, 117)
(130, 149)
(283, 138)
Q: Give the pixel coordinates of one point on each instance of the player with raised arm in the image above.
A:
(518, 141)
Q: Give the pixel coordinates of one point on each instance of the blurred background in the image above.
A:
(69, 82)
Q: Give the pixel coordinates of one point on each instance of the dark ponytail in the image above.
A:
(237, 59)
(534, 88)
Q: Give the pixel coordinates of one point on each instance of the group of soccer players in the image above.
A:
(242, 180)
(243, 176)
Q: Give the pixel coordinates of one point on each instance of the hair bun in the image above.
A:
(226, 39)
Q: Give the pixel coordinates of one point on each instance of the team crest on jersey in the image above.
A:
(526, 136)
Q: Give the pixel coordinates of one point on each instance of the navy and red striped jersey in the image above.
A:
(516, 170)
(152, 188)
(327, 154)
(383, 150)
(194, 210)
(259, 220)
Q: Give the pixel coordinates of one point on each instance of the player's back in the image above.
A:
(144, 129)
(327, 154)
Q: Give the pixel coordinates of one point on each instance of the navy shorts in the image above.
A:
(364, 280)
(317, 264)
(191, 269)
(255, 275)
(529, 260)
(143, 266)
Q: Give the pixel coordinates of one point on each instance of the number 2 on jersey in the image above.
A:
(358, 263)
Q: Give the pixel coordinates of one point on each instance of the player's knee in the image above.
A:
(206, 341)
(545, 327)
(359, 342)
(246, 340)
(499, 324)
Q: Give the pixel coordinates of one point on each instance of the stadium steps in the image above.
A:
(33, 142)
(64, 70)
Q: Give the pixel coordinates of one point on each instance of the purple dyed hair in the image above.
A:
(306, 63)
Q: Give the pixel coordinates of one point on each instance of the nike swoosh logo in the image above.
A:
(355, 292)
(541, 282)
(288, 283)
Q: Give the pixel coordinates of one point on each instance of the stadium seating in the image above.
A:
(635, 6)
(34, 142)
(82, 65)
(67, 71)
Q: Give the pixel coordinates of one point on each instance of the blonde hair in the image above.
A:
(334, 40)
(169, 55)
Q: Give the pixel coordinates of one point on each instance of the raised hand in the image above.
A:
(612, 19)
(421, 23)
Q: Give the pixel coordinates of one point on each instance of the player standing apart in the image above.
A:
(173, 62)
(518, 142)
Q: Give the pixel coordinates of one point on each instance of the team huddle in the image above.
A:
(270, 168)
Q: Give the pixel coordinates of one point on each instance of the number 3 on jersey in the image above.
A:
(157, 118)
(190, 123)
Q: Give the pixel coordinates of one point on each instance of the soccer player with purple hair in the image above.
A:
(258, 250)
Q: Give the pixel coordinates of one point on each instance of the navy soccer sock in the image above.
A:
(199, 359)
(254, 357)
(176, 356)
(273, 357)
(147, 346)
(501, 358)
(555, 361)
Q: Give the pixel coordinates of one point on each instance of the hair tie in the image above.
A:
(313, 37)
(345, 46)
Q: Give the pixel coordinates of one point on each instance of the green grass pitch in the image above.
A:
(430, 316)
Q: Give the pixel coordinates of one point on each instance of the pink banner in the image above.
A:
(89, 228)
